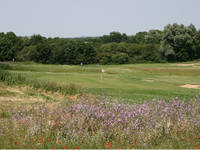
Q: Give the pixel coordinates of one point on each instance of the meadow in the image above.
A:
(127, 106)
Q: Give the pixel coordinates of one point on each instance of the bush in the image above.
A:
(28, 53)
(120, 58)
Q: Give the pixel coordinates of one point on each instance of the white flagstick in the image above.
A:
(102, 70)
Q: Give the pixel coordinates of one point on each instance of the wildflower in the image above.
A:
(16, 142)
(66, 147)
(57, 124)
(136, 143)
(59, 142)
(198, 147)
(110, 145)
(32, 140)
(49, 140)
(42, 139)
(198, 137)
(19, 123)
(193, 147)
(54, 148)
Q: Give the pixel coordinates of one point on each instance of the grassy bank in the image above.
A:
(20, 80)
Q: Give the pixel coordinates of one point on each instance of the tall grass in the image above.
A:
(18, 79)
(101, 124)
(4, 66)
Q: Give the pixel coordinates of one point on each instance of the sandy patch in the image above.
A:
(196, 66)
(128, 70)
(148, 80)
(15, 90)
(20, 99)
(190, 86)
(75, 97)
(184, 65)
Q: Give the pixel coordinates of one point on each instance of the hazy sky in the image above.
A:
(75, 18)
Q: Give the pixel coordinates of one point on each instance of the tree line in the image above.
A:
(176, 43)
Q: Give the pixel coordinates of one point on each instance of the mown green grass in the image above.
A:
(133, 82)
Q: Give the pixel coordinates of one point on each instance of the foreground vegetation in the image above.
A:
(89, 122)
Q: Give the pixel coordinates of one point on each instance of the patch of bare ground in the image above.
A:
(185, 65)
(28, 95)
(15, 90)
(17, 94)
(148, 80)
(191, 86)
(196, 65)
(20, 99)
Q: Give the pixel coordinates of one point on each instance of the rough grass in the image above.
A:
(18, 79)
(97, 123)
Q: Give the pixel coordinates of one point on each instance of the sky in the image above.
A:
(83, 18)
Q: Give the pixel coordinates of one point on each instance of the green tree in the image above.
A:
(140, 37)
(115, 37)
(37, 39)
(43, 53)
(120, 58)
(131, 39)
(178, 40)
(28, 53)
(87, 53)
(10, 44)
(153, 37)
(196, 46)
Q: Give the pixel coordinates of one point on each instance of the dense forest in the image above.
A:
(176, 43)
